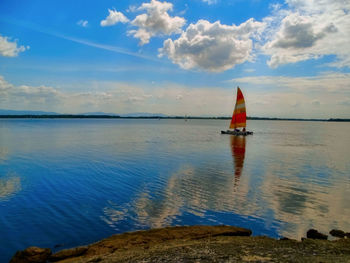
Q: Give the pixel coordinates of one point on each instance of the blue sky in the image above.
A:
(291, 58)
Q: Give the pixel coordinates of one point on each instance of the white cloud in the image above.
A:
(86, 42)
(132, 8)
(10, 49)
(326, 82)
(309, 29)
(24, 95)
(179, 97)
(113, 18)
(297, 96)
(156, 21)
(210, 2)
(83, 23)
(297, 32)
(329, 90)
(119, 98)
(212, 46)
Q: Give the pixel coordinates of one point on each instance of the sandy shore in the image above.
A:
(195, 244)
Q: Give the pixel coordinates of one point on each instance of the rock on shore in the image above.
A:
(197, 244)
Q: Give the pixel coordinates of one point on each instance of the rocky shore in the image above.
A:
(198, 244)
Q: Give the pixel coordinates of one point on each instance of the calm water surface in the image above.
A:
(66, 183)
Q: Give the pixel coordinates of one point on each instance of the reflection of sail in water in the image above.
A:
(238, 152)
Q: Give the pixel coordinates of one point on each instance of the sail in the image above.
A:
(239, 116)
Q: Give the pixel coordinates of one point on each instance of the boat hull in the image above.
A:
(237, 133)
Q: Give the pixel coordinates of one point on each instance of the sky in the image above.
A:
(290, 58)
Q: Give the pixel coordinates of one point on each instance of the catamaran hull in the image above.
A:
(237, 133)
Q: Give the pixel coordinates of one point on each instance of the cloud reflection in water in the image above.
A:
(287, 178)
(9, 185)
(3, 154)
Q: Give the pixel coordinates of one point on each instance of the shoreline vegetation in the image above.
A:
(198, 244)
(84, 116)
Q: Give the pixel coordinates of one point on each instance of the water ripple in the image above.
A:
(74, 182)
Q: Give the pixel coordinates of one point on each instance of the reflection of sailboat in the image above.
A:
(239, 117)
(238, 153)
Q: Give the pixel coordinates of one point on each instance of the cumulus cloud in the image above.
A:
(212, 46)
(309, 30)
(26, 97)
(19, 96)
(156, 21)
(297, 32)
(83, 23)
(113, 18)
(10, 49)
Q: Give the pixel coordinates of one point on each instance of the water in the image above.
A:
(71, 182)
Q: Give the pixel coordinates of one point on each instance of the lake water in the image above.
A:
(71, 182)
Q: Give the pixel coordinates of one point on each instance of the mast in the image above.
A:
(239, 117)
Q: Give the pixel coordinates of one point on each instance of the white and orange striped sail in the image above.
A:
(239, 117)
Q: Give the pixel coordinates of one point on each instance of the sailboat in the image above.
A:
(239, 117)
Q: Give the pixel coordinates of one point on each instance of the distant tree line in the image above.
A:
(79, 116)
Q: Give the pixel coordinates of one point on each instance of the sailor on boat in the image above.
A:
(239, 117)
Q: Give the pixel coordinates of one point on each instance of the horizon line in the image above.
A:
(115, 116)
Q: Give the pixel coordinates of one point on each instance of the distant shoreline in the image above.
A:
(79, 116)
